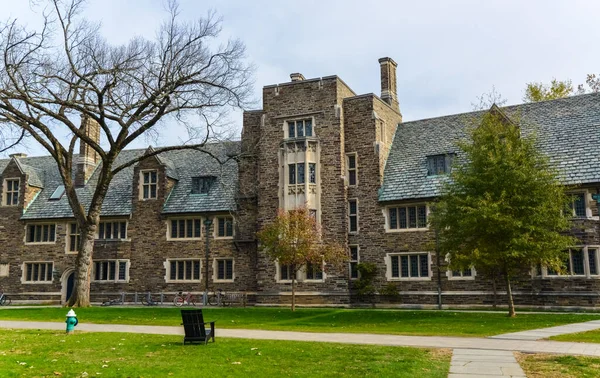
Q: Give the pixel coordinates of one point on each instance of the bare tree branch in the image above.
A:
(51, 77)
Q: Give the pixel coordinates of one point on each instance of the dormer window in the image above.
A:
(577, 204)
(439, 164)
(202, 185)
(149, 184)
(300, 128)
(11, 192)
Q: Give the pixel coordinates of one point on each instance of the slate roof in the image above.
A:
(568, 133)
(181, 165)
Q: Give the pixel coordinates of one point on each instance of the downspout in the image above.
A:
(439, 273)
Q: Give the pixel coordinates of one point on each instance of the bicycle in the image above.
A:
(218, 299)
(180, 300)
(148, 301)
(114, 302)
(4, 300)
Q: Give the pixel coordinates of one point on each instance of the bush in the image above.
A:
(390, 291)
(364, 285)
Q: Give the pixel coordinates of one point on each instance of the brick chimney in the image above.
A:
(388, 82)
(88, 157)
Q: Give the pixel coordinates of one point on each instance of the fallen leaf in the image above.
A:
(236, 363)
(253, 348)
(57, 373)
(22, 363)
(104, 366)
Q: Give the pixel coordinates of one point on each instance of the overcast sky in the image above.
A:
(448, 52)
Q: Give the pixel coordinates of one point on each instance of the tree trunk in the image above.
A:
(509, 297)
(293, 294)
(83, 270)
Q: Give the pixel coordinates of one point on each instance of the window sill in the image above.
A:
(184, 239)
(110, 281)
(567, 276)
(111, 240)
(461, 278)
(223, 237)
(409, 279)
(74, 253)
(392, 231)
(313, 281)
(40, 243)
(183, 281)
(38, 282)
(224, 281)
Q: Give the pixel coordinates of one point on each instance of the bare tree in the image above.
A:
(52, 76)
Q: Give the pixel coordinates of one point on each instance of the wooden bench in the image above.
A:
(195, 327)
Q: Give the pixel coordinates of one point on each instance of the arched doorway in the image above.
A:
(68, 282)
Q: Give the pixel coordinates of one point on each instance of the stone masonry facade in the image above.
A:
(315, 142)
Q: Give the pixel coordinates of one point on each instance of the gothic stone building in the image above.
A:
(367, 177)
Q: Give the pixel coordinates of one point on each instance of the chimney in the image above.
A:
(388, 82)
(297, 76)
(88, 157)
(18, 155)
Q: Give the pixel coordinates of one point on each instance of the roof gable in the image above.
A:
(183, 164)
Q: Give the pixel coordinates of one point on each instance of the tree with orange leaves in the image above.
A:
(294, 239)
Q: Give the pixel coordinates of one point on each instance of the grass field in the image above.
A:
(549, 366)
(316, 320)
(52, 354)
(582, 337)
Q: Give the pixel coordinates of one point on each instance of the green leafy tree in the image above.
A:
(535, 92)
(294, 239)
(503, 208)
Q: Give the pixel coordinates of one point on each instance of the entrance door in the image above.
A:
(70, 284)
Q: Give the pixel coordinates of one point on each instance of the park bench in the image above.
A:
(195, 327)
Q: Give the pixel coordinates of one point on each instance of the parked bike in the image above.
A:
(147, 300)
(180, 300)
(219, 298)
(4, 300)
(114, 302)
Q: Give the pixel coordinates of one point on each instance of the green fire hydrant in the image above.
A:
(71, 321)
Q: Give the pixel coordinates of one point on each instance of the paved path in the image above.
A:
(347, 338)
(481, 363)
(544, 333)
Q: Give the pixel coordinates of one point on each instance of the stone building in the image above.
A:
(367, 177)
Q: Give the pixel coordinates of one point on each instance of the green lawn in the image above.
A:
(582, 337)
(316, 320)
(52, 354)
(549, 366)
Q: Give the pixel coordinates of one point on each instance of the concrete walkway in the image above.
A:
(544, 333)
(480, 363)
(530, 346)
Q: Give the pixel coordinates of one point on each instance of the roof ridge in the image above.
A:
(508, 107)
